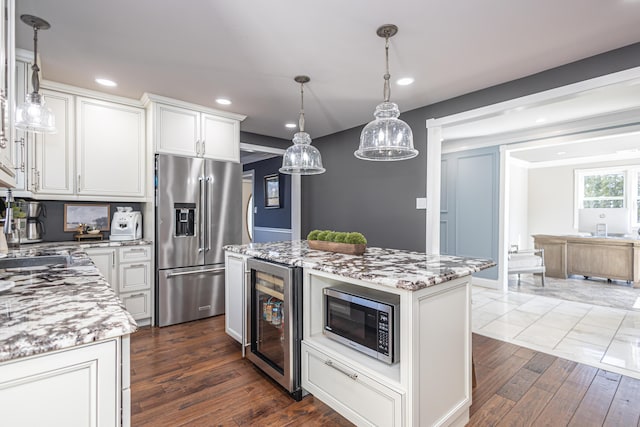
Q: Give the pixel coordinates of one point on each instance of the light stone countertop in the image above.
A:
(388, 267)
(53, 307)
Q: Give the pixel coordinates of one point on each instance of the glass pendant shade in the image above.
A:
(387, 137)
(302, 157)
(34, 116)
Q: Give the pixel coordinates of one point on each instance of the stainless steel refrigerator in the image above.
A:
(198, 211)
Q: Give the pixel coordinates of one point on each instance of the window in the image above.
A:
(603, 190)
(608, 188)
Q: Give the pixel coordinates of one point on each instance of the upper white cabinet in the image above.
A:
(98, 152)
(194, 131)
(110, 149)
(52, 169)
(7, 87)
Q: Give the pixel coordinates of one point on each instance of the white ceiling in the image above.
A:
(249, 51)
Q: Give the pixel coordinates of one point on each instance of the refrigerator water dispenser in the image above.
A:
(185, 219)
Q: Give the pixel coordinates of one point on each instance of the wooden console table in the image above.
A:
(606, 257)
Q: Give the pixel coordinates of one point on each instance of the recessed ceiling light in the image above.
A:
(106, 82)
(561, 153)
(541, 120)
(290, 125)
(405, 81)
(223, 101)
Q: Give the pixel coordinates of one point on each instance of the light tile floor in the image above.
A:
(604, 337)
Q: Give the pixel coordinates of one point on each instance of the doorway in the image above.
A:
(272, 218)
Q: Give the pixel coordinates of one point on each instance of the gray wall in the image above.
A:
(267, 141)
(378, 198)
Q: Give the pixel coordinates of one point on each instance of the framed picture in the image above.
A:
(95, 216)
(272, 191)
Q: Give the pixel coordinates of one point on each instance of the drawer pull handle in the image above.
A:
(141, 294)
(137, 265)
(330, 364)
(136, 250)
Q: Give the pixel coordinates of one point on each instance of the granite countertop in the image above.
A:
(53, 307)
(387, 267)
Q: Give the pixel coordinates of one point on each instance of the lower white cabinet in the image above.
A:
(365, 400)
(235, 295)
(128, 270)
(78, 387)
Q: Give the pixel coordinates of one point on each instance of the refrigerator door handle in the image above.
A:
(201, 215)
(207, 222)
(186, 273)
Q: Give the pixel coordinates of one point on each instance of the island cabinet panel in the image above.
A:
(77, 387)
(447, 346)
(364, 399)
(236, 295)
(431, 382)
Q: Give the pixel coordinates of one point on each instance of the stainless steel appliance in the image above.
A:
(34, 227)
(365, 319)
(275, 322)
(198, 211)
(126, 224)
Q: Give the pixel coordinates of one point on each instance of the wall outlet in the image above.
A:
(421, 203)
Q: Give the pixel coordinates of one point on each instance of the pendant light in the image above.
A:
(33, 115)
(387, 137)
(302, 158)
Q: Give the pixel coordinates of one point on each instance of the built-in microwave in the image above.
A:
(364, 319)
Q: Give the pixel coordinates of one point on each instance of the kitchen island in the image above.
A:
(64, 343)
(431, 382)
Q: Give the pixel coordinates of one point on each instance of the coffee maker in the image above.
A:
(35, 229)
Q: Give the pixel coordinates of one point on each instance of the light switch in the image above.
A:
(421, 203)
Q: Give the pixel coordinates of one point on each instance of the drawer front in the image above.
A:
(135, 253)
(138, 304)
(354, 395)
(135, 277)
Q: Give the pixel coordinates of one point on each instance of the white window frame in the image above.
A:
(631, 191)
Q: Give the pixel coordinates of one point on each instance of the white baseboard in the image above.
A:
(486, 283)
(268, 234)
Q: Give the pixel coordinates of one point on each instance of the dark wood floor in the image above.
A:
(192, 375)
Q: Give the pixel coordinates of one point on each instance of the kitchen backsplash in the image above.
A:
(54, 221)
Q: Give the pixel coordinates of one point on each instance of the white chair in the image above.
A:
(526, 261)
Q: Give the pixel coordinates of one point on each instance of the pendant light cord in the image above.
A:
(387, 76)
(35, 80)
(301, 121)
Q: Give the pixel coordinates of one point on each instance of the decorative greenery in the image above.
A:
(337, 236)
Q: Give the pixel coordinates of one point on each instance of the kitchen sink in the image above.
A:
(34, 261)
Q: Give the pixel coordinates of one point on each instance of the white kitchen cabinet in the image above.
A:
(78, 387)
(54, 154)
(220, 138)
(366, 399)
(128, 270)
(7, 88)
(235, 295)
(110, 151)
(195, 131)
(105, 260)
(98, 152)
(431, 382)
(177, 130)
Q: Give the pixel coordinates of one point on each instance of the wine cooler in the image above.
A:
(276, 322)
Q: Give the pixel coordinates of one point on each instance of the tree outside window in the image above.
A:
(603, 190)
